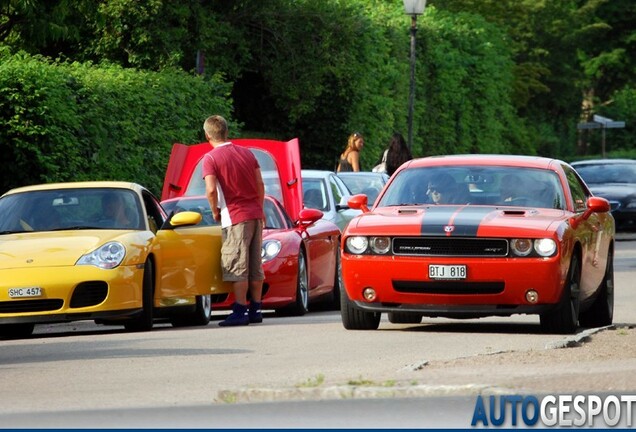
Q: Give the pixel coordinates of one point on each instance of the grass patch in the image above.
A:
(317, 381)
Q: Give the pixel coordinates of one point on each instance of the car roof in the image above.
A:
(484, 159)
(359, 173)
(202, 197)
(75, 185)
(603, 162)
(315, 173)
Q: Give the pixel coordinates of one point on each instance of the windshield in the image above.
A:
(269, 171)
(475, 185)
(60, 209)
(607, 173)
(368, 184)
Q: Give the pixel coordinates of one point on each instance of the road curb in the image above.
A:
(577, 339)
(354, 392)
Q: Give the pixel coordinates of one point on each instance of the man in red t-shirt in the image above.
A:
(234, 187)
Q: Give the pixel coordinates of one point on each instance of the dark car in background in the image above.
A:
(614, 180)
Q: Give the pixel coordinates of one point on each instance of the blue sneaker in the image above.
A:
(238, 317)
(255, 315)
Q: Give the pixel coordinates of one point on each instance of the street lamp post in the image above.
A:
(412, 8)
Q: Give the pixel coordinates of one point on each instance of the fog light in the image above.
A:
(369, 294)
(532, 296)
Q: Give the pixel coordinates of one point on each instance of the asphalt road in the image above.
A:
(83, 375)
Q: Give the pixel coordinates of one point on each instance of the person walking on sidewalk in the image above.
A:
(234, 187)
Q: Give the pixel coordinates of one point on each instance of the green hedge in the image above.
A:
(71, 121)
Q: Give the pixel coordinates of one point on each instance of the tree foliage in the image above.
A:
(77, 121)
(493, 76)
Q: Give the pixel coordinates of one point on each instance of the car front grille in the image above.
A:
(448, 287)
(25, 306)
(89, 294)
(447, 246)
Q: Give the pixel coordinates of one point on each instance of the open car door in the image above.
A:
(279, 162)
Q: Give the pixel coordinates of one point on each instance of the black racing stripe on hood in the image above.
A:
(465, 223)
(436, 218)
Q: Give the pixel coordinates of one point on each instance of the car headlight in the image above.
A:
(380, 245)
(524, 247)
(270, 250)
(545, 247)
(107, 256)
(357, 244)
(631, 205)
(521, 247)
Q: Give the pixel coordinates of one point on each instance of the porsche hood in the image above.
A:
(52, 249)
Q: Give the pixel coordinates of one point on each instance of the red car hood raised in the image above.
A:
(184, 158)
(449, 220)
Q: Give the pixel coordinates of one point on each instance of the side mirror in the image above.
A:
(308, 216)
(597, 205)
(359, 202)
(594, 205)
(185, 218)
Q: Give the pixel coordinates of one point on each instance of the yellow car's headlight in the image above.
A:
(107, 256)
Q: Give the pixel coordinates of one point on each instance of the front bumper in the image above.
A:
(71, 293)
(493, 286)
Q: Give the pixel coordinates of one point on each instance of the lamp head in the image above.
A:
(414, 7)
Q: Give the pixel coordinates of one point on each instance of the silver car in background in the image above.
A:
(325, 191)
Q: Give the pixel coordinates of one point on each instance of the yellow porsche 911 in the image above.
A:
(102, 251)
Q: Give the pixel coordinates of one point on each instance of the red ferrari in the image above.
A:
(480, 235)
(300, 250)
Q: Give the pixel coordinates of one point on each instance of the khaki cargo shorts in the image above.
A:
(241, 251)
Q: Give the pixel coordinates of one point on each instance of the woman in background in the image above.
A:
(397, 154)
(350, 158)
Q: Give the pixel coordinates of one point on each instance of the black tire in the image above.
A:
(354, 318)
(144, 321)
(405, 318)
(563, 319)
(16, 331)
(301, 304)
(200, 316)
(601, 312)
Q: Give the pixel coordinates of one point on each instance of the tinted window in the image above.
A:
(607, 173)
(199, 205)
(315, 194)
(577, 188)
(82, 208)
(476, 185)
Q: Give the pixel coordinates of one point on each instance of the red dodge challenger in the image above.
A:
(480, 235)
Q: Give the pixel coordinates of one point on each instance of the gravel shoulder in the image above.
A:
(594, 361)
(602, 362)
